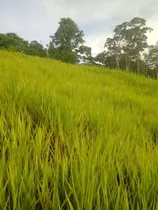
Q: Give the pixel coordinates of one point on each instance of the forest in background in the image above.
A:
(127, 49)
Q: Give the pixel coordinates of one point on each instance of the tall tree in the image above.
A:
(114, 50)
(134, 39)
(68, 34)
(128, 43)
(67, 41)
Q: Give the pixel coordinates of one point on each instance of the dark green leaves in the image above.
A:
(67, 43)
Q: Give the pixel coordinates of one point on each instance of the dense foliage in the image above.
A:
(128, 49)
(67, 43)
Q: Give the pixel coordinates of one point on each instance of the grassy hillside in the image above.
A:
(74, 137)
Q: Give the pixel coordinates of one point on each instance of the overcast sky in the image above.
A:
(38, 19)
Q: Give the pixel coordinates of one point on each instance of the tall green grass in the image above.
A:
(76, 138)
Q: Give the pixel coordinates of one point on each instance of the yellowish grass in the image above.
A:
(76, 137)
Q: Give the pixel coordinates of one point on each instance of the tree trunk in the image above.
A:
(117, 63)
(138, 67)
(127, 64)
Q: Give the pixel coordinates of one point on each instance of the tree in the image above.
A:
(134, 39)
(51, 50)
(63, 53)
(68, 34)
(128, 43)
(151, 59)
(85, 54)
(114, 50)
(67, 43)
(37, 49)
(11, 41)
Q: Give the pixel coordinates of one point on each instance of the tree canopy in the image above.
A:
(11, 41)
(37, 49)
(126, 49)
(67, 43)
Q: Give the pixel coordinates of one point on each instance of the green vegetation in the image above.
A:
(75, 137)
(67, 43)
(12, 42)
(128, 49)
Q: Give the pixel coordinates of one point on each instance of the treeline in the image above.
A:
(66, 45)
(127, 49)
(12, 42)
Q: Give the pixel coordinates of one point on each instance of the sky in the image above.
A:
(38, 19)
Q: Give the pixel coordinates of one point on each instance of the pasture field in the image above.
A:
(76, 137)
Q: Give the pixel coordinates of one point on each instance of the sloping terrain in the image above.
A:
(76, 137)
